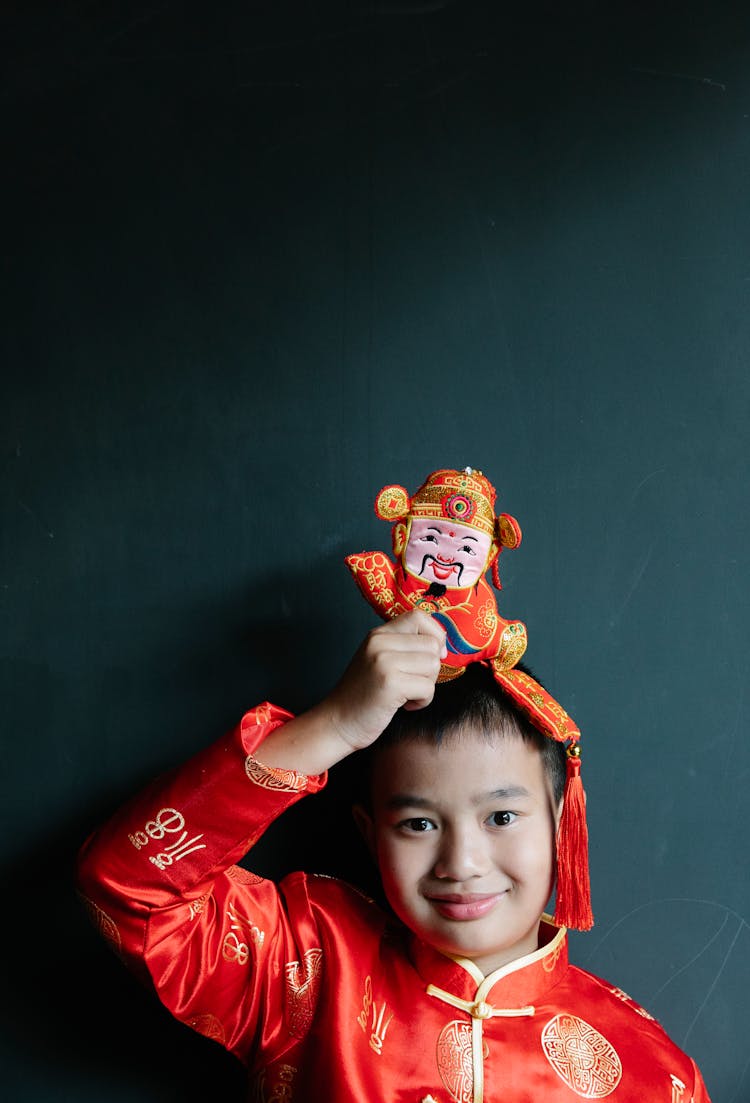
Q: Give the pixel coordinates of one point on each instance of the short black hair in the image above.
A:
(474, 701)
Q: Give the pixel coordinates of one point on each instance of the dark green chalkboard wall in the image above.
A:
(259, 260)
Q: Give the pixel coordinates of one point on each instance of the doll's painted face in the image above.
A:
(444, 551)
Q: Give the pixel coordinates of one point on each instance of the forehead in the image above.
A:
(440, 526)
(462, 768)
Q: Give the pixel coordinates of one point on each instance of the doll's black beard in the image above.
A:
(435, 589)
(431, 559)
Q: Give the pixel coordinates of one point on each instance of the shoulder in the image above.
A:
(333, 903)
(619, 1002)
(639, 1045)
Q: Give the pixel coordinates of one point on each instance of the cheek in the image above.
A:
(400, 870)
(473, 568)
(532, 860)
(416, 550)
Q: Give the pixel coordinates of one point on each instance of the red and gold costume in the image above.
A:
(467, 610)
(322, 995)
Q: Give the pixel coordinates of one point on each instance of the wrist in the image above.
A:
(310, 743)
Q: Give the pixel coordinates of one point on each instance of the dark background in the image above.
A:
(260, 260)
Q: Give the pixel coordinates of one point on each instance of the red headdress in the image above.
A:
(445, 538)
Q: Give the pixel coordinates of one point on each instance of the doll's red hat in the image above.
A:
(467, 497)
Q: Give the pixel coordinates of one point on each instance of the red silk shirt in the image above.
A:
(322, 995)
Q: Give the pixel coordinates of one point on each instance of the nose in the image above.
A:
(462, 855)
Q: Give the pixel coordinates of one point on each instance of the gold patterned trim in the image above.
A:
(104, 924)
(302, 987)
(208, 1025)
(274, 778)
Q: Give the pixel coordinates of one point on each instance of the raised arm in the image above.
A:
(159, 877)
(396, 666)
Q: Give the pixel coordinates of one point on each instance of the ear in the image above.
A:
(399, 538)
(492, 555)
(366, 827)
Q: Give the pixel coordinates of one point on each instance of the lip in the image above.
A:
(465, 908)
(443, 570)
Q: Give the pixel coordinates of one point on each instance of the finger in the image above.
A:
(418, 623)
(420, 700)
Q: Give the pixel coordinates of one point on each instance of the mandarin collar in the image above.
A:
(525, 981)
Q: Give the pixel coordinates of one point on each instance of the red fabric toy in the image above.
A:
(445, 538)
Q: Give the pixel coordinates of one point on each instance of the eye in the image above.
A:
(417, 825)
(468, 548)
(501, 819)
(428, 539)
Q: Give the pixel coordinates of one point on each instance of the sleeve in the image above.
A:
(159, 881)
(700, 1094)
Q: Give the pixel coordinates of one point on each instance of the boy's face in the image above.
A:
(463, 835)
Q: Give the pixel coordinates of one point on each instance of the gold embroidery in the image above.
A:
(678, 1089)
(104, 924)
(485, 621)
(480, 1011)
(233, 950)
(454, 1061)
(302, 987)
(243, 876)
(283, 1088)
(168, 821)
(270, 777)
(208, 1025)
(581, 1057)
(379, 1024)
(177, 851)
(377, 570)
(550, 961)
(618, 992)
(447, 672)
(511, 647)
(197, 906)
(392, 503)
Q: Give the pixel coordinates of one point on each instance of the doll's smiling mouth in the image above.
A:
(442, 570)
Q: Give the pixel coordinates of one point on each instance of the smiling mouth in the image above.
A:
(442, 570)
(464, 908)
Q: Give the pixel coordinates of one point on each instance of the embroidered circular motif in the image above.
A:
(460, 507)
(454, 1061)
(392, 503)
(581, 1057)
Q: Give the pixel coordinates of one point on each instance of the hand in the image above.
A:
(396, 667)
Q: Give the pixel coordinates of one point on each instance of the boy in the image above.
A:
(467, 994)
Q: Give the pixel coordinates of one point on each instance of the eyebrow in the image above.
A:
(409, 800)
(434, 528)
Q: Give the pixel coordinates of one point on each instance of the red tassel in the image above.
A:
(573, 898)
